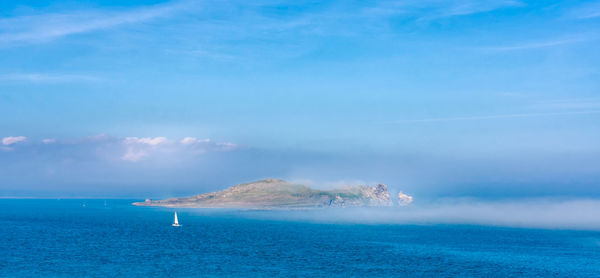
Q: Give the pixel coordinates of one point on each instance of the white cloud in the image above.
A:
(48, 141)
(226, 146)
(138, 148)
(404, 200)
(13, 140)
(34, 28)
(146, 140)
(193, 140)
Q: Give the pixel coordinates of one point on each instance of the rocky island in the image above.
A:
(276, 193)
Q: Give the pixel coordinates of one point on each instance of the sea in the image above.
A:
(112, 238)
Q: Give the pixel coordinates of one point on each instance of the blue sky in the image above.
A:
(436, 98)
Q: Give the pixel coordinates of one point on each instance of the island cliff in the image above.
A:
(276, 193)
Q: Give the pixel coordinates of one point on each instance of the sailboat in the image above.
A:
(175, 221)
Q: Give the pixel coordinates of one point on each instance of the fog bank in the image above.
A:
(580, 214)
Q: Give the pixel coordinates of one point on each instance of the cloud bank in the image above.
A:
(168, 167)
(131, 149)
(140, 148)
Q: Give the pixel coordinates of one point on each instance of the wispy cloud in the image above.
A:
(209, 54)
(536, 45)
(461, 8)
(44, 27)
(432, 9)
(499, 116)
(47, 77)
(589, 10)
(568, 104)
(224, 31)
(253, 26)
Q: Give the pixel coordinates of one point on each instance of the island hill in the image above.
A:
(276, 193)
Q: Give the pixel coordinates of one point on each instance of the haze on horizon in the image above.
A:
(487, 99)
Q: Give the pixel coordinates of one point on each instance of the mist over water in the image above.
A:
(112, 238)
(578, 214)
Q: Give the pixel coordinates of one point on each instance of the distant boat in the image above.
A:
(176, 222)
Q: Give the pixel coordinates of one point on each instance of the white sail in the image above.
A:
(175, 221)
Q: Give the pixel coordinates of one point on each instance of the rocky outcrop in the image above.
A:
(276, 193)
(381, 194)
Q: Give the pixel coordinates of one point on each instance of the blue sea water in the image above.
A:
(63, 238)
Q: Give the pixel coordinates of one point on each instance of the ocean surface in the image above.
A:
(64, 238)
